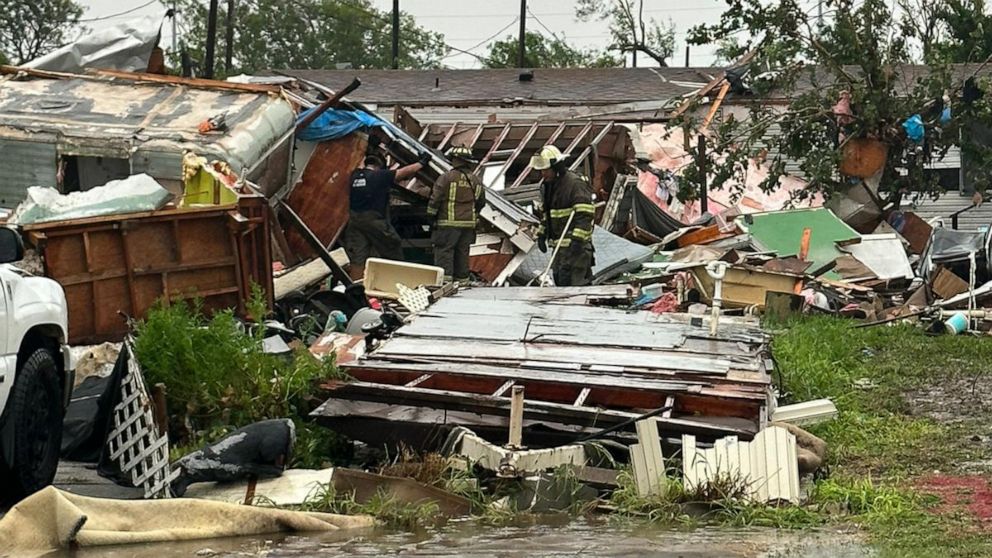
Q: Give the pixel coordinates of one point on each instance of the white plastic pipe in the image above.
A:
(717, 270)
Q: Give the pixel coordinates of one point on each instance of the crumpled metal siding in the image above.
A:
(126, 46)
(24, 164)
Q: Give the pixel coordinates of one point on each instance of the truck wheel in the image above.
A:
(36, 412)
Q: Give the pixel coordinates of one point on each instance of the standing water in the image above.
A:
(544, 536)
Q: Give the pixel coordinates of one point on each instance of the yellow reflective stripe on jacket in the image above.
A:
(561, 213)
(456, 224)
(584, 208)
(452, 196)
(564, 243)
(582, 234)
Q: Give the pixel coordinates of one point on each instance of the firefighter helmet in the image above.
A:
(546, 158)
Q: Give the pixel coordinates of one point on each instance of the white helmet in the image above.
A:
(546, 158)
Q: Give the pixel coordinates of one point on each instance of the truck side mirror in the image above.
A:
(11, 246)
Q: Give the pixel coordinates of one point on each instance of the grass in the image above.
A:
(878, 445)
(218, 378)
(388, 510)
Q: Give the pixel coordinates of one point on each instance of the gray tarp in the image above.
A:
(125, 46)
(614, 255)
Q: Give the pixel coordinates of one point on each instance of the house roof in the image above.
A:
(549, 86)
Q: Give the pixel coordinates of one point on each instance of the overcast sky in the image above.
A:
(472, 24)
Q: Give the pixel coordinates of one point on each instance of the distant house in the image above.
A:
(74, 132)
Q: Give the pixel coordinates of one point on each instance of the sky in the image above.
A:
(472, 24)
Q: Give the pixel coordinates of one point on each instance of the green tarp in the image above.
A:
(782, 231)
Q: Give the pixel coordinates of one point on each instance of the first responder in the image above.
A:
(456, 200)
(369, 230)
(568, 217)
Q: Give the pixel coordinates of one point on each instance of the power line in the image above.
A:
(482, 42)
(126, 12)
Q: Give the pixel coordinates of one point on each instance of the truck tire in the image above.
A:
(36, 411)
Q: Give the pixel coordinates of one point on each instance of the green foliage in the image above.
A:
(218, 377)
(389, 510)
(311, 34)
(861, 49)
(31, 28)
(544, 52)
(629, 30)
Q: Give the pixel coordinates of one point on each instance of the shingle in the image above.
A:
(589, 86)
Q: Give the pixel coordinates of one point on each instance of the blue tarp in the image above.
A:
(333, 124)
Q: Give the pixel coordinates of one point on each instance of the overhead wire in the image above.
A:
(119, 14)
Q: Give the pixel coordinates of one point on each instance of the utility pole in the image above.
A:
(686, 56)
(704, 194)
(229, 39)
(633, 52)
(523, 31)
(396, 34)
(208, 64)
(175, 14)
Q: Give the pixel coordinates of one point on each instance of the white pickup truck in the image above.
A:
(36, 373)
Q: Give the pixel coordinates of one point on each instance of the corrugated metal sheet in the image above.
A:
(951, 202)
(24, 164)
(767, 467)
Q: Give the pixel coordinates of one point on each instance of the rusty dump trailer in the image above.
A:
(123, 264)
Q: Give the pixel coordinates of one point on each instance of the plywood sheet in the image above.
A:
(320, 198)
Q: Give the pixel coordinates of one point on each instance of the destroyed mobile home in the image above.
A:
(658, 371)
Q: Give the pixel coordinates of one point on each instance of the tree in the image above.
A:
(966, 31)
(544, 52)
(32, 28)
(629, 30)
(863, 52)
(310, 34)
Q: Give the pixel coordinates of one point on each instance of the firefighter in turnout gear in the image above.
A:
(456, 200)
(369, 231)
(566, 196)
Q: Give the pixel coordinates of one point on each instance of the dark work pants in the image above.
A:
(368, 234)
(451, 249)
(572, 271)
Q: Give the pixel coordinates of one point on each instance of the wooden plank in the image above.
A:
(516, 416)
(650, 442)
(321, 197)
(503, 388)
(639, 466)
(493, 148)
(516, 153)
(483, 404)
(551, 141)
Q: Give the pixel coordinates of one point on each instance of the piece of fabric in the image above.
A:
(914, 128)
(333, 124)
(370, 190)
(451, 251)
(574, 268)
(568, 195)
(51, 519)
(456, 199)
(367, 235)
